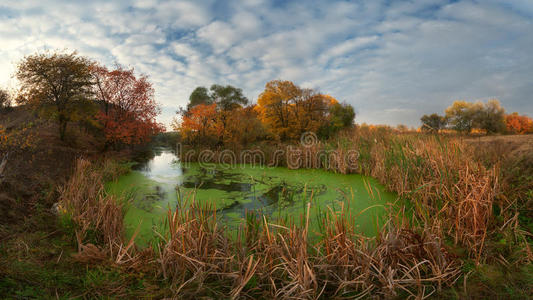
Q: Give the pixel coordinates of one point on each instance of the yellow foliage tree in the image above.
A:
(275, 107)
(287, 110)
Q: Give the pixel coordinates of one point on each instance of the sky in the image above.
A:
(392, 60)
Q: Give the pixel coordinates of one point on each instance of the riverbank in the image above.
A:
(37, 247)
(478, 199)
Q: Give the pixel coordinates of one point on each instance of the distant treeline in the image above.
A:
(489, 117)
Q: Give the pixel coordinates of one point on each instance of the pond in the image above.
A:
(156, 185)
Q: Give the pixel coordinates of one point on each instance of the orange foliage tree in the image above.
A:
(211, 115)
(206, 124)
(284, 111)
(199, 124)
(129, 108)
(518, 124)
(288, 110)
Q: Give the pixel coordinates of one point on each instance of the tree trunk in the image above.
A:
(3, 164)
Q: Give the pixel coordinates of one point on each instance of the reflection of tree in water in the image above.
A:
(147, 201)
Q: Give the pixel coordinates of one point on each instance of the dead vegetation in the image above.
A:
(452, 195)
(97, 215)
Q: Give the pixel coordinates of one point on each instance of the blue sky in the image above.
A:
(392, 60)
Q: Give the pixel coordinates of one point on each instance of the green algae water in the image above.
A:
(156, 186)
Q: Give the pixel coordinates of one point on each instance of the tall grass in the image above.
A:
(97, 215)
(279, 261)
(438, 175)
(196, 256)
(451, 193)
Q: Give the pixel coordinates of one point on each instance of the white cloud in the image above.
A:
(219, 35)
(182, 14)
(394, 61)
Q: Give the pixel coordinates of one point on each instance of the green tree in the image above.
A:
(492, 117)
(200, 95)
(341, 115)
(55, 80)
(227, 97)
(463, 115)
(433, 122)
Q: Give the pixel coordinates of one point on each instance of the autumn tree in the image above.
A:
(275, 106)
(243, 127)
(57, 81)
(284, 111)
(199, 125)
(129, 107)
(433, 123)
(310, 111)
(226, 99)
(520, 124)
(464, 116)
(288, 110)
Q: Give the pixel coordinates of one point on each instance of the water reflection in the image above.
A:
(274, 191)
(164, 167)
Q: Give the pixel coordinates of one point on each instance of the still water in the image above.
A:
(156, 185)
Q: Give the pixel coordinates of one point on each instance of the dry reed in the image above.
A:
(450, 192)
(98, 216)
(438, 175)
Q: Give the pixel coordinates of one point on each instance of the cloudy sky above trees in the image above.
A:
(392, 60)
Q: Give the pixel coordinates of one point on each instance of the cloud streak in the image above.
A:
(392, 60)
